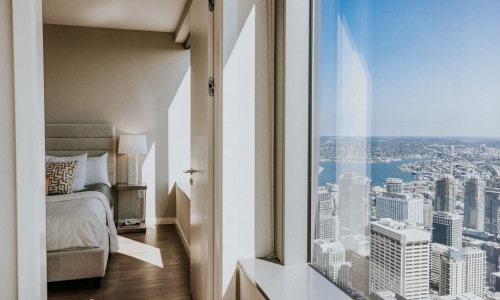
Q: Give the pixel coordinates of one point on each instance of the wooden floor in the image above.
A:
(131, 278)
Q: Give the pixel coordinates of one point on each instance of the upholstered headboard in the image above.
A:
(74, 139)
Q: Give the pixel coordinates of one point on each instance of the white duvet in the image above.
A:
(79, 220)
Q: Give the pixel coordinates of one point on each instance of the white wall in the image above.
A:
(8, 255)
(245, 136)
(134, 79)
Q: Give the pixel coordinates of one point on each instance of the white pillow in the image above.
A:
(97, 170)
(81, 169)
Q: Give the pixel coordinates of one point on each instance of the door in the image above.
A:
(202, 154)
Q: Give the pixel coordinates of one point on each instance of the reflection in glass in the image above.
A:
(406, 148)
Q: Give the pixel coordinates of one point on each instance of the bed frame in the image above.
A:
(70, 140)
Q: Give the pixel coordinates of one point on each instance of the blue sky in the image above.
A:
(433, 66)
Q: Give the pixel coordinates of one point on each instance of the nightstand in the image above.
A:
(121, 187)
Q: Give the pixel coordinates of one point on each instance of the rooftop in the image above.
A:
(403, 231)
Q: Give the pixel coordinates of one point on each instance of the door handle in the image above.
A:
(191, 171)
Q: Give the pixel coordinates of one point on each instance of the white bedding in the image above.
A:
(78, 220)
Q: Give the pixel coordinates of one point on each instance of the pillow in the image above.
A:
(61, 177)
(47, 179)
(79, 179)
(97, 170)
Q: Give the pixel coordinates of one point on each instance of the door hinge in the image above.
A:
(211, 5)
(211, 86)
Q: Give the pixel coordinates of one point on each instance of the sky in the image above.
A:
(410, 68)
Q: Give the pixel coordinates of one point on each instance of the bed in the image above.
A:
(78, 246)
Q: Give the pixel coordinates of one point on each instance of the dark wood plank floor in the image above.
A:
(130, 278)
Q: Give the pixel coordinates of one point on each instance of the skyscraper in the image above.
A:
(447, 229)
(399, 259)
(394, 185)
(445, 194)
(399, 207)
(361, 271)
(492, 210)
(326, 224)
(474, 203)
(462, 271)
(355, 204)
(437, 251)
(355, 243)
(328, 256)
(427, 207)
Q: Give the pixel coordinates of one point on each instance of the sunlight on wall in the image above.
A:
(140, 251)
(149, 176)
(179, 133)
(239, 151)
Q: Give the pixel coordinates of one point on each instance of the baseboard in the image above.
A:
(183, 237)
(165, 221)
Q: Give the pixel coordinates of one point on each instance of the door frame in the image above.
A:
(217, 142)
(27, 37)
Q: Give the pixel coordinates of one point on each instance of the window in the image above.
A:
(405, 146)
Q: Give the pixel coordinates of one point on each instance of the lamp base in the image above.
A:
(133, 169)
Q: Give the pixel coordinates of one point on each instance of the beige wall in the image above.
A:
(127, 78)
(183, 204)
(8, 256)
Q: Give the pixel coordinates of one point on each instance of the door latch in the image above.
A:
(211, 86)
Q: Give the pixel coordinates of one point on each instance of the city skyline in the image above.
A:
(427, 67)
(406, 156)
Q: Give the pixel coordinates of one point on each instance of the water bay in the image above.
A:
(378, 172)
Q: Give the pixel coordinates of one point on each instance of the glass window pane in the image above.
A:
(406, 147)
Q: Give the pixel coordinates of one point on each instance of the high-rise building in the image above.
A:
(465, 296)
(335, 227)
(354, 204)
(437, 251)
(492, 210)
(326, 224)
(399, 207)
(471, 242)
(492, 254)
(445, 194)
(427, 213)
(399, 259)
(495, 282)
(343, 274)
(327, 254)
(386, 295)
(463, 271)
(361, 271)
(447, 229)
(355, 243)
(474, 203)
(394, 185)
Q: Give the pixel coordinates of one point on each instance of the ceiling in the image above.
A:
(149, 15)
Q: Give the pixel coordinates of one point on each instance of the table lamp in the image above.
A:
(133, 145)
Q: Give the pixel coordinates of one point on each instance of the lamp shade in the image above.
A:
(133, 144)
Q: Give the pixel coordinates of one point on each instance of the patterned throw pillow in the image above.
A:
(61, 176)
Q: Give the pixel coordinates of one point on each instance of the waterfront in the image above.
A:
(378, 172)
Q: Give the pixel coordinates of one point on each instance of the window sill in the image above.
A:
(281, 282)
